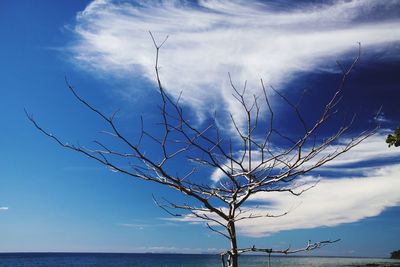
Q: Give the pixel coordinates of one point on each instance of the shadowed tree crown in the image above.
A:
(394, 139)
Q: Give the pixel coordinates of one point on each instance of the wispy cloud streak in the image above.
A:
(251, 40)
(172, 249)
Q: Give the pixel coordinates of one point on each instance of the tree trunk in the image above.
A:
(233, 260)
(233, 253)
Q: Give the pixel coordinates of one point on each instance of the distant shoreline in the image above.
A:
(124, 259)
(189, 254)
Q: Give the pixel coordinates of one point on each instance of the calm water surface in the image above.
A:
(171, 260)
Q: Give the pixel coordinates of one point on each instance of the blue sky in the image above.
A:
(55, 200)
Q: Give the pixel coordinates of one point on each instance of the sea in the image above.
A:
(175, 260)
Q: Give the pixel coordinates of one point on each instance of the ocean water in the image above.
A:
(173, 260)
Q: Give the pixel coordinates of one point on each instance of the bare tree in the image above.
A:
(247, 167)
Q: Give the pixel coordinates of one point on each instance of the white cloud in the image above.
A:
(207, 40)
(355, 193)
(371, 149)
(145, 225)
(332, 202)
(3, 208)
(133, 225)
